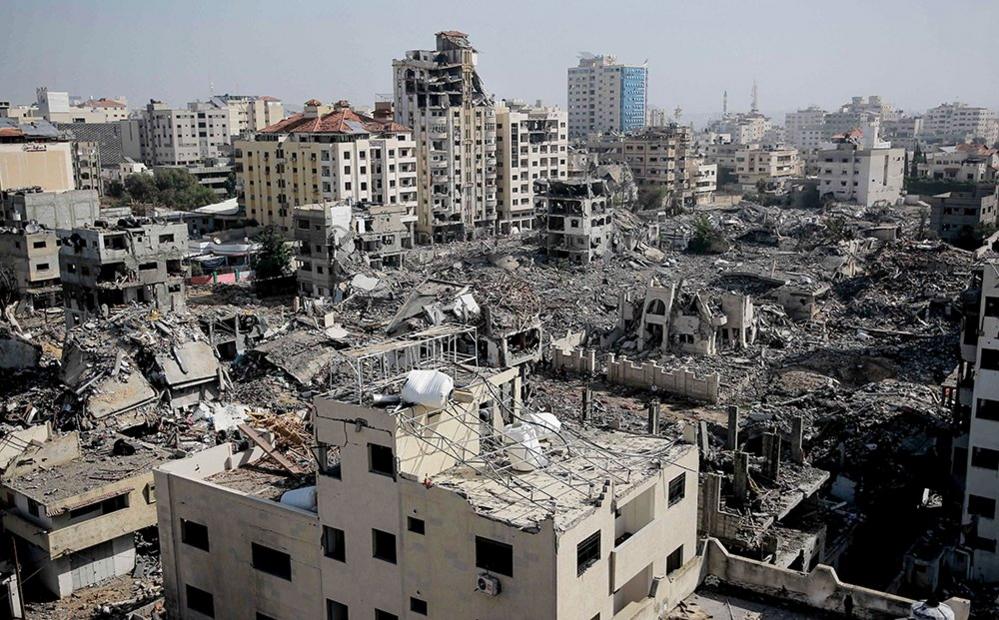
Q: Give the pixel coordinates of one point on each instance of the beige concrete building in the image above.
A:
(965, 214)
(579, 219)
(101, 110)
(743, 127)
(769, 165)
(805, 129)
(531, 144)
(184, 137)
(73, 514)
(406, 523)
(861, 169)
(958, 122)
(34, 154)
(441, 96)
(659, 157)
(87, 166)
(248, 113)
(606, 96)
(326, 154)
(965, 163)
(32, 253)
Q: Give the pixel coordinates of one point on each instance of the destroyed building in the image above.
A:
(134, 261)
(31, 253)
(58, 211)
(671, 319)
(73, 507)
(578, 219)
(440, 94)
(964, 214)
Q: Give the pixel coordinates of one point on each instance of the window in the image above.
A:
(383, 546)
(990, 359)
(194, 534)
(324, 465)
(166, 238)
(336, 611)
(494, 556)
(261, 616)
(587, 552)
(380, 460)
(985, 458)
(987, 409)
(42, 267)
(982, 506)
(417, 526)
(677, 488)
(38, 244)
(200, 601)
(674, 560)
(417, 606)
(271, 561)
(384, 615)
(333, 543)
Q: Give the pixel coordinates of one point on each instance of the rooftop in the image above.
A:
(342, 120)
(571, 485)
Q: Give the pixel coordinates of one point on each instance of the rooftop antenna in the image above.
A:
(211, 88)
(756, 99)
(725, 103)
(676, 113)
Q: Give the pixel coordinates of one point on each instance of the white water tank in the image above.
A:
(925, 610)
(525, 448)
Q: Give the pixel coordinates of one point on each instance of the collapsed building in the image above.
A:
(672, 320)
(134, 261)
(578, 219)
(31, 253)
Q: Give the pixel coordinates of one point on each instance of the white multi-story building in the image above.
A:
(605, 96)
(248, 113)
(959, 122)
(968, 163)
(743, 128)
(326, 154)
(804, 129)
(439, 94)
(531, 144)
(172, 137)
(861, 168)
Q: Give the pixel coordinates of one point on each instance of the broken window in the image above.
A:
(417, 606)
(982, 506)
(383, 546)
(147, 266)
(417, 526)
(333, 543)
(335, 610)
(200, 601)
(674, 560)
(380, 460)
(325, 462)
(587, 552)
(677, 489)
(166, 238)
(992, 306)
(271, 561)
(104, 507)
(987, 409)
(985, 458)
(494, 556)
(194, 534)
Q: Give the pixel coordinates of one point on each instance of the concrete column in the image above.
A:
(653, 412)
(771, 455)
(732, 442)
(705, 445)
(587, 405)
(741, 480)
(712, 501)
(797, 437)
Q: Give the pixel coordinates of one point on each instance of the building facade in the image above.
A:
(767, 165)
(964, 163)
(439, 94)
(31, 252)
(325, 154)
(531, 144)
(578, 218)
(958, 122)
(34, 154)
(606, 96)
(659, 157)
(861, 169)
(958, 215)
(401, 510)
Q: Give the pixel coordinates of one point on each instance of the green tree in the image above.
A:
(706, 238)
(174, 188)
(274, 259)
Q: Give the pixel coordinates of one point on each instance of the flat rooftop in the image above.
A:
(95, 468)
(568, 487)
(260, 479)
(705, 604)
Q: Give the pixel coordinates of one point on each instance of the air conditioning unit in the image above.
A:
(487, 584)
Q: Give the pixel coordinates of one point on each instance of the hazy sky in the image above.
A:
(914, 53)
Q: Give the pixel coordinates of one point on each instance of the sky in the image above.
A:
(914, 53)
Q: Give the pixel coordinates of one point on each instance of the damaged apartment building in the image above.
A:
(578, 219)
(671, 319)
(335, 239)
(134, 261)
(439, 94)
(74, 506)
(31, 253)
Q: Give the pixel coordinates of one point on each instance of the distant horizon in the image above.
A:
(183, 51)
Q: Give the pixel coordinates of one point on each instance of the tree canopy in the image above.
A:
(174, 188)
